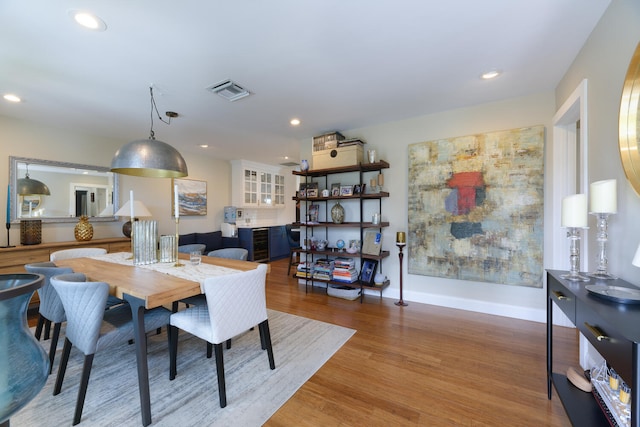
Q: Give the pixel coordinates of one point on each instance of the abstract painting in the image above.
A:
(476, 207)
(192, 196)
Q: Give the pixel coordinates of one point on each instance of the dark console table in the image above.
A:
(611, 327)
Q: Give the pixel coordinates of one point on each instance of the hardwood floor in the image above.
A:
(420, 365)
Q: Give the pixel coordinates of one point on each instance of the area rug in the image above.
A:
(254, 392)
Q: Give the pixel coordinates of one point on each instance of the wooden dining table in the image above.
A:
(145, 289)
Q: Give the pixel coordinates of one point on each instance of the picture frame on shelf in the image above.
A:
(368, 271)
(346, 190)
(335, 189)
(314, 210)
(312, 189)
(359, 189)
(372, 242)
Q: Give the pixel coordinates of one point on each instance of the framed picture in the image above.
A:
(312, 189)
(346, 190)
(372, 243)
(192, 197)
(358, 189)
(335, 189)
(368, 271)
(30, 203)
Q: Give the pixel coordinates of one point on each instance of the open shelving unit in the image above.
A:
(317, 175)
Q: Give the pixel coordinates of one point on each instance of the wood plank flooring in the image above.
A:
(420, 365)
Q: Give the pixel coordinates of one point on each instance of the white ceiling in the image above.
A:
(334, 64)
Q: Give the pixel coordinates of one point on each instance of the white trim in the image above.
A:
(563, 172)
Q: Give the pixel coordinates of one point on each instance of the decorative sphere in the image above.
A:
(340, 244)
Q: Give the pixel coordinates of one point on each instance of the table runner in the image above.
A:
(188, 271)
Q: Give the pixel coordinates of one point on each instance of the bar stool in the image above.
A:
(294, 246)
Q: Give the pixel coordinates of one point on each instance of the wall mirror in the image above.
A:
(75, 189)
(629, 125)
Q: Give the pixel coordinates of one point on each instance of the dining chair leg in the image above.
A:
(222, 390)
(209, 350)
(54, 344)
(82, 392)
(39, 326)
(266, 336)
(173, 350)
(47, 329)
(62, 367)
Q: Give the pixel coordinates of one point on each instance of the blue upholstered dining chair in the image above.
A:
(230, 253)
(235, 303)
(193, 247)
(80, 253)
(91, 328)
(50, 309)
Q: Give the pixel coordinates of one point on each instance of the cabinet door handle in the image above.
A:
(596, 332)
(559, 295)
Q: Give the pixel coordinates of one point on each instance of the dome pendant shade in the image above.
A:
(149, 158)
(27, 186)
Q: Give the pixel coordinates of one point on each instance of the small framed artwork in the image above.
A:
(358, 189)
(372, 243)
(192, 196)
(312, 189)
(346, 190)
(368, 271)
(335, 189)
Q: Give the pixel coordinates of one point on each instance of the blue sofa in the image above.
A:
(212, 240)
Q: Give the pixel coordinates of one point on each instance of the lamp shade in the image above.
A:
(149, 158)
(27, 186)
(139, 209)
(636, 258)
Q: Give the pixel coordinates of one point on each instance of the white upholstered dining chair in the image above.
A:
(235, 303)
(76, 253)
(91, 328)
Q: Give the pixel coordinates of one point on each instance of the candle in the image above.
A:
(603, 196)
(177, 204)
(380, 180)
(131, 205)
(636, 258)
(400, 237)
(574, 211)
(8, 204)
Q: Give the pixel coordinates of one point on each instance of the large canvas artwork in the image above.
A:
(476, 207)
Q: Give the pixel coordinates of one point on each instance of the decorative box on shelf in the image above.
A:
(340, 156)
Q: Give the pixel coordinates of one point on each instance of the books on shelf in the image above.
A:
(323, 269)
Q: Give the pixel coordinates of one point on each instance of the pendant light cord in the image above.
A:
(154, 107)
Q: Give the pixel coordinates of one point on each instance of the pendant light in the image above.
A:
(149, 157)
(27, 186)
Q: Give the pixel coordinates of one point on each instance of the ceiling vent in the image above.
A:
(229, 90)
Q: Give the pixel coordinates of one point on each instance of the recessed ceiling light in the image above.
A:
(203, 145)
(295, 122)
(12, 98)
(87, 20)
(491, 74)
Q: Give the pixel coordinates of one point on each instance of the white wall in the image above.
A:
(391, 141)
(603, 61)
(26, 139)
